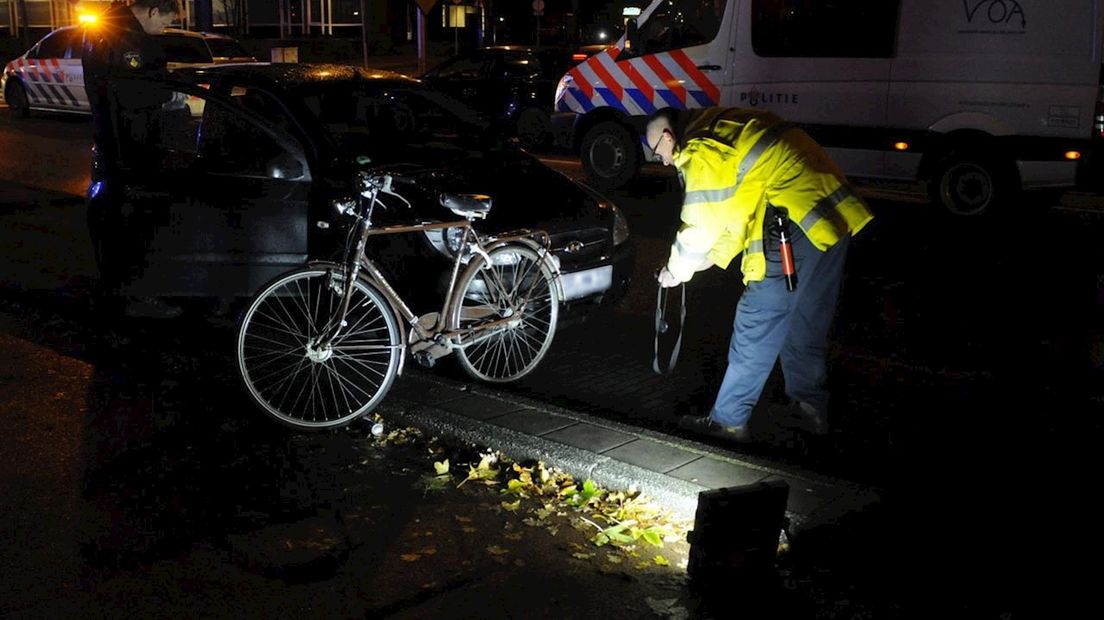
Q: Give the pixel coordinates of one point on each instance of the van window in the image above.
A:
(676, 24)
(824, 28)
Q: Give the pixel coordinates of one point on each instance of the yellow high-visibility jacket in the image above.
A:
(735, 162)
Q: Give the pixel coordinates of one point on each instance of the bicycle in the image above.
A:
(320, 346)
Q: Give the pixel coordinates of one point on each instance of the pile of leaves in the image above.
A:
(625, 520)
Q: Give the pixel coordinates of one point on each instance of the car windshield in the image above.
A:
(184, 49)
(379, 120)
(227, 48)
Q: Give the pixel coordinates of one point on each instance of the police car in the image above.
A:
(50, 76)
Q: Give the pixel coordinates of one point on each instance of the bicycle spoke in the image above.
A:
(295, 380)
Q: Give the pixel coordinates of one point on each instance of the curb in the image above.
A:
(443, 407)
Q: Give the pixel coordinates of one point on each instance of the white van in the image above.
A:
(977, 97)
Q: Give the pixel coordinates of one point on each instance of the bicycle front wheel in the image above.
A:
(300, 380)
(507, 310)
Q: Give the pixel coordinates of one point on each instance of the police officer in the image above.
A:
(122, 62)
(742, 169)
(123, 66)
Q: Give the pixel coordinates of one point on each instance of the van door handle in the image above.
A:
(710, 67)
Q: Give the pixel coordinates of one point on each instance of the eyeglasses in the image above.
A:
(652, 156)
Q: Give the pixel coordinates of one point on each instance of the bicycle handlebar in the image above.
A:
(370, 187)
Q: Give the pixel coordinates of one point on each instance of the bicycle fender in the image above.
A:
(549, 260)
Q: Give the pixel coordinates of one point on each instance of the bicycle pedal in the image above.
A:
(425, 360)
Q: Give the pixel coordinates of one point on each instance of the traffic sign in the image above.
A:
(426, 5)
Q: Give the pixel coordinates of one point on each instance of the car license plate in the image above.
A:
(579, 284)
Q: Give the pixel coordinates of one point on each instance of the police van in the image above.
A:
(50, 76)
(978, 98)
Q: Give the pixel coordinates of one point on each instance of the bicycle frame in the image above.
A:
(471, 243)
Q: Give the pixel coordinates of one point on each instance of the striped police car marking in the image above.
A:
(43, 81)
(639, 85)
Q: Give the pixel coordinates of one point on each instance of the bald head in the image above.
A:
(660, 136)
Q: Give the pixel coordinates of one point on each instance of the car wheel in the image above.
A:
(533, 128)
(16, 98)
(971, 184)
(610, 155)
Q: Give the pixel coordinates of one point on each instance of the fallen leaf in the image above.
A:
(441, 467)
(496, 550)
(410, 557)
(613, 559)
(512, 506)
(661, 561)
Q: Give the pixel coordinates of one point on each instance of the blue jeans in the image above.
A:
(772, 322)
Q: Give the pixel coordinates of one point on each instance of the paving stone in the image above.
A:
(479, 407)
(589, 437)
(715, 474)
(652, 455)
(532, 421)
(806, 497)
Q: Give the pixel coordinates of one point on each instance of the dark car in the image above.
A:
(513, 87)
(237, 185)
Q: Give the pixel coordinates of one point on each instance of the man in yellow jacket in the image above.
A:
(741, 169)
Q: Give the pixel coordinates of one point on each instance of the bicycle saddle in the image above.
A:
(474, 205)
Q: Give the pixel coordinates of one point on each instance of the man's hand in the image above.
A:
(666, 280)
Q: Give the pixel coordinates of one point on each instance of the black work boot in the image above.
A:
(708, 426)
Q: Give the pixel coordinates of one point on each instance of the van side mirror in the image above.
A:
(631, 37)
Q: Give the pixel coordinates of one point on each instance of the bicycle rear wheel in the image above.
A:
(518, 285)
(298, 380)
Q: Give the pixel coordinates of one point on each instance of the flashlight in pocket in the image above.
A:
(785, 247)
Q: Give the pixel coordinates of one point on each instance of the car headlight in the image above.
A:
(445, 240)
(620, 226)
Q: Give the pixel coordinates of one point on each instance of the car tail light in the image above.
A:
(1098, 118)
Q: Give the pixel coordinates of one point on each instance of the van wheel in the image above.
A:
(971, 184)
(16, 98)
(610, 155)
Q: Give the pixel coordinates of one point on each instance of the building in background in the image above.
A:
(392, 23)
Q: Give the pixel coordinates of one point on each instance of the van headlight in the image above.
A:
(561, 87)
(620, 226)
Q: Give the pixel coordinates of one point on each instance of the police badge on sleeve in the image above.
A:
(132, 59)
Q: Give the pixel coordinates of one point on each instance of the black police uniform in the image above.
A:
(122, 66)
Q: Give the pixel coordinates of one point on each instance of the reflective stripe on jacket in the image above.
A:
(735, 162)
